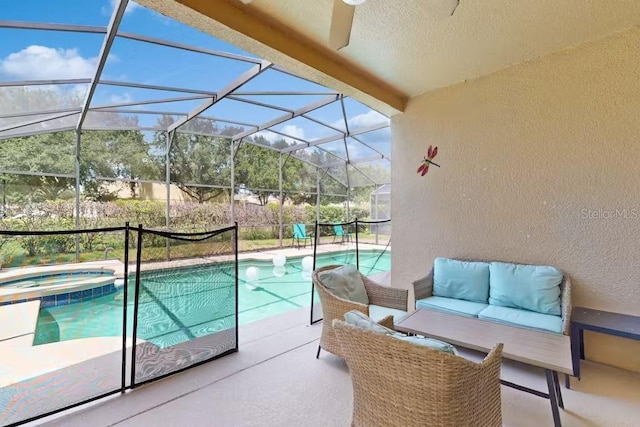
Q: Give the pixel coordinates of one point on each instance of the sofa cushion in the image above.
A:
(360, 320)
(528, 319)
(451, 305)
(345, 282)
(461, 280)
(531, 287)
(378, 312)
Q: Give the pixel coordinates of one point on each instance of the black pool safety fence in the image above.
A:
(160, 303)
(352, 236)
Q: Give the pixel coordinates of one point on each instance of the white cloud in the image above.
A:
(120, 98)
(43, 63)
(369, 118)
(291, 130)
(130, 7)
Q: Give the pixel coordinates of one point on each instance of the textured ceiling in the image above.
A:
(408, 46)
(416, 46)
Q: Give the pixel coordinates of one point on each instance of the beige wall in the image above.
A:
(525, 152)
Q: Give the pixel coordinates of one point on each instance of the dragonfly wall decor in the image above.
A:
(428, 160)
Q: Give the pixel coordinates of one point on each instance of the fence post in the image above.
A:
(124, 308)
(237, 282)
(357, 250)
(315, 252)
(136, 301)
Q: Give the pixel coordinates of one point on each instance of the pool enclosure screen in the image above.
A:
(111, 112)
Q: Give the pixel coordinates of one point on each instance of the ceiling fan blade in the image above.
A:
(341, 21)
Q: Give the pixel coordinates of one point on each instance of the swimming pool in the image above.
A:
(54, 279)
(180, 304)
(56, 285)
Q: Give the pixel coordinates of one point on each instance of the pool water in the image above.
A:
(180, 304)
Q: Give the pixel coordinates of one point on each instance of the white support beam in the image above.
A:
(112, 30)
(149, 102)
(36, 121)
(300, 111)
(344, 140)
(285, 135)
(339, 137)
(258, 103)
(31, 133)
(306, 116)
(369, 147)
(39, 113)
(282, 93)
(21, 25)
(54, 82)
(364, 174)
(30, 173)
(244, 78)
(355, 162)
(190, 48)
(155, 87)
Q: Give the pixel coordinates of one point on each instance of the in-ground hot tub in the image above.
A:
(57, 285)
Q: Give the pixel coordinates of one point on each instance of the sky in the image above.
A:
(46, 55)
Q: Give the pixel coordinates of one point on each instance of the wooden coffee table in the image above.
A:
(546, 350)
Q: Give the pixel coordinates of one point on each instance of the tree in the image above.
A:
(199, 158)
(258, 169)
(109, 154)
(46, 153)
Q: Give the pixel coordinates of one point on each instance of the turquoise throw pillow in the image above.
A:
(530, 287)
(345, 282)
(461, 280)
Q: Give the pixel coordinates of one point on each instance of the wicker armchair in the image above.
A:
(396, 383)
(334, 307)
(423, 288)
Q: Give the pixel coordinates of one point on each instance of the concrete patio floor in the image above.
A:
(275, 380)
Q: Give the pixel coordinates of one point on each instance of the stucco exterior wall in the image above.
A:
(540, 164)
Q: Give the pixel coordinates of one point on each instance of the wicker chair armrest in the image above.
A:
(387, 322)
(566, 306)
(386, 296)
(423, 288)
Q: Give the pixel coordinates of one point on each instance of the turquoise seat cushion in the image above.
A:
(428, 342)
(531, 287)
(360, 320)
(451, 305)
(356, 318)
(464, 280)
(528, 319)
(345, 282)
(378, 312)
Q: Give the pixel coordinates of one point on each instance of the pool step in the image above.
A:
(18, 324)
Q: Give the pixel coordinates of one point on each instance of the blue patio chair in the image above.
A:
(338, 231)
(300, 233)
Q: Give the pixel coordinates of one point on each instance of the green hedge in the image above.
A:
(256, 223)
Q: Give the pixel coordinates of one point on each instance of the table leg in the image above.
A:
(581, 335)
(552, 398)
(576, 333)
(567, 381)
(556, 382)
